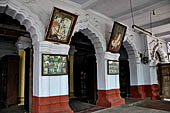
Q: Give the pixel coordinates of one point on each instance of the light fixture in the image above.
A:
(144, 56)
(135, 27)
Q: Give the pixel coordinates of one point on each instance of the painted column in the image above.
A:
(108, 85)
(136, 78)
(22, 43)
(154, 92)
(71, 59)
(21, 53)
(50, 93)
(144, 83)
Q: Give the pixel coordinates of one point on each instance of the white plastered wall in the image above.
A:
(155, 45)
(35, 17)
(25, 13)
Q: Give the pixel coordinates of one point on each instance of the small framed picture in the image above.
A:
(112, 67)
(61, 26)
(117, 36)
(53, 64)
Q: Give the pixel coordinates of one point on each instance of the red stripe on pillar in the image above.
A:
(109, 98)
(53, 104)
(137, 92)
(143, 91)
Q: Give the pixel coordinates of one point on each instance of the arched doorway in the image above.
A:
(16, 63)
(158, 60)
(124, 73)
(83, 69)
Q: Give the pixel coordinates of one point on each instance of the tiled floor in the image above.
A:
(160, 105)
(129, 109)
(13, 109)
(81, 107)
(131, 106)
(139, 106)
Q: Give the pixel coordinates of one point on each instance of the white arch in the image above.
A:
(99, 43)
(21, 13)
(162, 53)
(134, 59)
(131, 49)
(91, 32)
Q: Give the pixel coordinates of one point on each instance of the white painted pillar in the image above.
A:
(154, 94)
(136, 78)
(112, 81)
(108, 85)
(153, 72)
(51, 90)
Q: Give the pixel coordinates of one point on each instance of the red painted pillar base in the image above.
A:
(143, 91)
(152, 91)
(137, 92)
(109, 98)
(54, 104)
(155, 92)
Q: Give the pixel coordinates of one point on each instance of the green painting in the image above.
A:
(113, 67)
(54, 64)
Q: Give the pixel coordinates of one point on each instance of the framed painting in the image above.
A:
(112, 67)
(53, 64)
(61, 26)
(117, 36)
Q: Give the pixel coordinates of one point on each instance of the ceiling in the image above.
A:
(152, 15)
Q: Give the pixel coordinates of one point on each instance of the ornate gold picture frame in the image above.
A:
(61, 26)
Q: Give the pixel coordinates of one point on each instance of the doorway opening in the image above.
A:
(124, 73)
(15, 73)
(158, 60)
(83, 69)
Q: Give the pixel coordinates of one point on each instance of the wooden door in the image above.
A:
(9, 78)
(124, 78)
(13, 78)
(164, 70)
(85, 78)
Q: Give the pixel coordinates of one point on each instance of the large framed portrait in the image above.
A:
(61, 26)
(53, 64)
(117, 36)
(112, 67)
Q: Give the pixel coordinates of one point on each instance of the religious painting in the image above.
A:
(117, 36)
(54, 64)
(61, 26)
(112, 67)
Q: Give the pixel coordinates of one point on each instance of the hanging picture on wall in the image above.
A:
(61, 26)
(112, 67)
(117, 36)
(54, 64)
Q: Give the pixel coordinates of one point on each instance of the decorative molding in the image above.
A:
(87, 28)
(31, 21)
(153, 46)
(111, 56)
(163, 55)
(130, 47)
(93, 20)
(23, 43)
(53, 48)
(156, 46)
